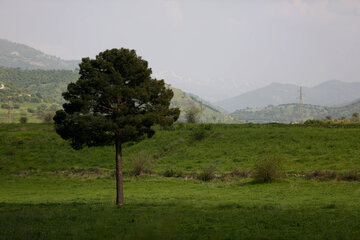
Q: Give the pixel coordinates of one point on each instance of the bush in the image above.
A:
(4, 106)
(351, 175)
(192, 114)
(141, 163)
(207, 174)
(23, 120)
(267, 168)
(198, 134)
(48, 117)
(322, 174)
(240, 173)
(30, 110)
(172, 173)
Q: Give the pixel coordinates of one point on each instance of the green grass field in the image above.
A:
(50, 191)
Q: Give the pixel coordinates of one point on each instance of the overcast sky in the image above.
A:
(220, 48)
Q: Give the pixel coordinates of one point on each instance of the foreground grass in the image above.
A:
(49, 191)
(169, 208)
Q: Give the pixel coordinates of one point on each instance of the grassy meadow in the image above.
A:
(50, 191)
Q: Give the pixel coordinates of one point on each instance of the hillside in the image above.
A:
(330, 93)
(17, 55)
(47, 83)
(46, 86)
(287, 113)
(209, 113)
(223, 145)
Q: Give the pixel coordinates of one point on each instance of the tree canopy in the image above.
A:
(115, 100)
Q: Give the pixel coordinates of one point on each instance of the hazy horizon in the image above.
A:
(220, 48)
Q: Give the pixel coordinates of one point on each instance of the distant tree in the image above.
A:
(48, 117)
(114, 101)
(355, 117)
(192, 114)
(23, 120)
(5, 106)
(328, 117)
(16, 106)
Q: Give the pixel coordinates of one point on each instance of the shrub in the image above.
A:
(168, 128)
(169, 172)
(240, 173)
(351, 175)
(267, 168)
(198, 134)
(313, 122)
(322, 174)
(207, 173)
(48, 117)
(30, 110)
(4, 106)
(141, 163)
(208, 127)
(192, 114)
(23, 120)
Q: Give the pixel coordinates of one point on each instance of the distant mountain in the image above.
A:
(287, 113)
(330, 93)
(21, 56)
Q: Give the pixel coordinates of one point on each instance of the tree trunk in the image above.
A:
(119, 179)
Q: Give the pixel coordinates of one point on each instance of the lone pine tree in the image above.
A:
(114, 101)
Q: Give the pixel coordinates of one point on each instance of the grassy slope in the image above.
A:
(209, 114)
(303, 149)
(42, 205)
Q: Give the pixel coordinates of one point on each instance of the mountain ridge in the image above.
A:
(23, 56)
(328, 93)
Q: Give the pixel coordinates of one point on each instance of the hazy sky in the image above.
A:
(221, 48)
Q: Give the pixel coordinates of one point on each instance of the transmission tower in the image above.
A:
(301, 107)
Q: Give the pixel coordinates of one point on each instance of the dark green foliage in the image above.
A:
(200, 132)
(115, 99)
(23, 120)
(267, 168)
(5, 106)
